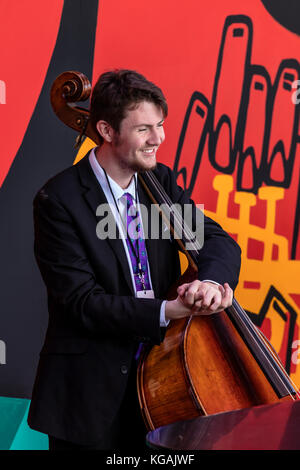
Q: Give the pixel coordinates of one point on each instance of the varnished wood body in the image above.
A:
(202, 367)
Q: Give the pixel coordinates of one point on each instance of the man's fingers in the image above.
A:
(181, 289)
(188, 291)
(221, 289)
(220, 303)
(204, 298)
(227, 296)
(215, 299)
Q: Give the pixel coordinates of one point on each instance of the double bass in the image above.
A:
(206, 364)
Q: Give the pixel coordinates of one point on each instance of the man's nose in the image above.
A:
(157, 136)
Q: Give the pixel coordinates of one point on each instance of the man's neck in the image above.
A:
(122, 176)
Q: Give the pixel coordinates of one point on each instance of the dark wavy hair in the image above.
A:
(118, 91)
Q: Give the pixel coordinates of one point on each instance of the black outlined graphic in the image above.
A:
(260, 164)
(276, 304)
(223, 124)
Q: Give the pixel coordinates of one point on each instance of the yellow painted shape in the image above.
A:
(85, 147)
(283, 273)
(183, 262)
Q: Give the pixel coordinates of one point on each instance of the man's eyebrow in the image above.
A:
(149, 125)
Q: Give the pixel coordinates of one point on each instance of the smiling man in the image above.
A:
(106, 296)
(133, 148)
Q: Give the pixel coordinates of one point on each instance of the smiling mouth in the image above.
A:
(149, 151)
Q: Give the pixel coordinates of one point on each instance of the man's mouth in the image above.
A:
(149, 150)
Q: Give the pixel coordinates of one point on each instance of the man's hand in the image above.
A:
(199, 298)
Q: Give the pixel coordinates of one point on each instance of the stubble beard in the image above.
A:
(134, 167)
(139, 168)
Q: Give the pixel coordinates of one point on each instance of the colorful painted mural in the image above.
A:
(229, 71)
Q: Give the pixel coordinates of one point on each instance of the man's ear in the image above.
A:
(105, 130)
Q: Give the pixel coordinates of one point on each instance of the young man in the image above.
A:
(85, 395)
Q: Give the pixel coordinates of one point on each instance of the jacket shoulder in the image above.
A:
(63, 184)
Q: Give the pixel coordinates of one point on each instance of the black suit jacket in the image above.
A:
(95, 321)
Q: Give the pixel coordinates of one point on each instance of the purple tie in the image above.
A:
(136, 246)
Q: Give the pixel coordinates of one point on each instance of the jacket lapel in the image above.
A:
(152, 245)
(94, 196)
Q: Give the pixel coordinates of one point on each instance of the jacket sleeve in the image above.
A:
(73, 290)
(219, 259)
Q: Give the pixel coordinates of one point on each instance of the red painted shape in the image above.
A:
(28, 32)
(177, 45)
(251, 285)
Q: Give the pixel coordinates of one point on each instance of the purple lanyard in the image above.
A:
(135, 241)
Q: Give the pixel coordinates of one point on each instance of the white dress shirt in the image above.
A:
(118, 193)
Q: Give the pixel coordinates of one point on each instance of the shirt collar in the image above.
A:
(115, 187)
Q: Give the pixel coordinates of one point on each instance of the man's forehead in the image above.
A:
(144, 112)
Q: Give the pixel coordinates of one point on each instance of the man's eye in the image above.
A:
(142, 129)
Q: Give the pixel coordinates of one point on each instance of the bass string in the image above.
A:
(165, 198)
(256, 337)
(280, 365)
(240, 316)
(188, 234)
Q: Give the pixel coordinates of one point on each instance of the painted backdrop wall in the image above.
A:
(229, 72)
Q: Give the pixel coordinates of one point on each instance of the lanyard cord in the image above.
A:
(136, 252)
